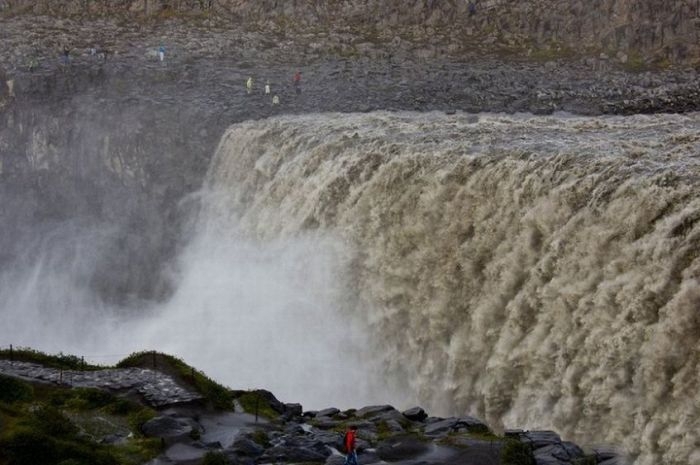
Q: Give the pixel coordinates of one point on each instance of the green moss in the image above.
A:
(516, 453)
(252, 402)
(261, 438)
(14, 390)
(137, 451)
(214, 458)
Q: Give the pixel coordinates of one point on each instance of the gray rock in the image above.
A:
(449, 425)
(246, 447)
(415, 414)
(394, 426)
(401, 448)
(168, 428)
(293, 410)
(372, 410)
(541, 438)
(328, 412)
(613, 461)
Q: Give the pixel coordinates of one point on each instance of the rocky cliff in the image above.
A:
(647, 31)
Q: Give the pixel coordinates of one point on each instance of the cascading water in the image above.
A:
(535, 271)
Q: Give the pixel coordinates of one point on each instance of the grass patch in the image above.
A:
(60, 360)
(261, 438)
(14, 390)
(516, 453)
(253, 403)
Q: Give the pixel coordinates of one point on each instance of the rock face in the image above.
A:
(664, 30)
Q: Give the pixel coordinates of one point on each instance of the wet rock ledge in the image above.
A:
(176, 415)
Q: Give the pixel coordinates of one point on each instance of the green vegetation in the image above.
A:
(253, 402)
(214, 458)
(60, 361)
(54, 425)
(13, 390)
(261, 438)
(219, 396)
(516, 453)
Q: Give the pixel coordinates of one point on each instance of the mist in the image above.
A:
(249, 313)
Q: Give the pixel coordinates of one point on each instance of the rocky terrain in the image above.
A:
(189, 428)
(648, 31)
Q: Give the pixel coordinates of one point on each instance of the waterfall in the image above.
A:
(534, 271)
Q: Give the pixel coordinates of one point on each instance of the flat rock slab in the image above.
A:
(157, 389)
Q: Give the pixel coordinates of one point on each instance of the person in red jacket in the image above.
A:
(349, 443)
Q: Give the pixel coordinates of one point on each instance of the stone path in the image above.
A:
(157, 388)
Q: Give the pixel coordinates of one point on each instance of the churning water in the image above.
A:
(534, 271)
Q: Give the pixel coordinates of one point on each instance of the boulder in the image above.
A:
(394, 426)
(328, 412)
(401, 448)
(246, 447)
(268, 397)
(541, 438)
(369, 411)
(449, 425)
(293, 410)
(169, 428)
(286, 454)
(415, 414)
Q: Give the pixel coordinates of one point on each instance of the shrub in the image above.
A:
(14, 390)
(516, 453)
(48, 420)
(214, 458)
(28, 447)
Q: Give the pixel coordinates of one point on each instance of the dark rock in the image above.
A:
(572, 449)
(613, 461)
(372, 410)
(366, 457)
(513, 433)
(401, 448)
(556, 451)
(294, 429)
(328, 412)
(246, 447)
(415, 414)
(275, 404)
(287, 454)
(168, 428)
(541, 438)
(325, 423)
(293, 410)
(451, 425)
(603, 453)
(394, 426)
(391, 415)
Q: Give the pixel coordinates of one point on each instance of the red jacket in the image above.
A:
(350, 441)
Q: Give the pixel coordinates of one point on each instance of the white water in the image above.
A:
(533, 271)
